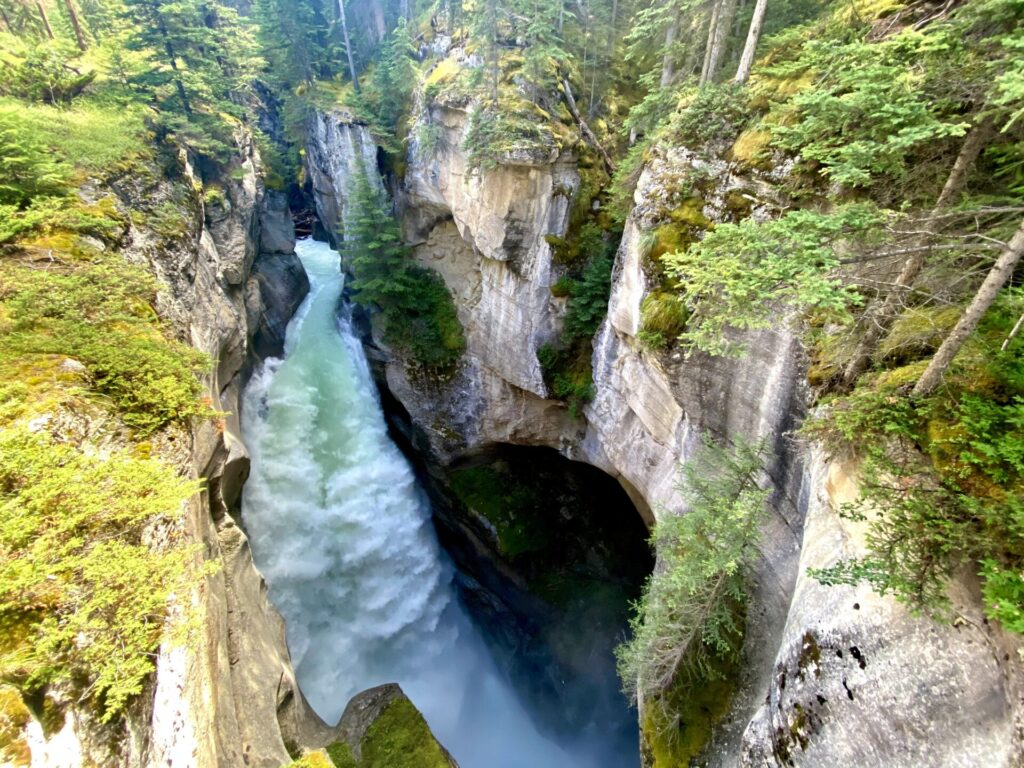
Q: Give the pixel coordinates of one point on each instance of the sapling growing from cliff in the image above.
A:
(688, 625)
(416, 308)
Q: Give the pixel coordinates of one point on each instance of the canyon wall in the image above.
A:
(830, 674)
(231, 699)
(230, 282)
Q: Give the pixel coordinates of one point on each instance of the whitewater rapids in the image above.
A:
(342, 534)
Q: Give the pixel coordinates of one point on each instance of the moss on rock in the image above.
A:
(508, 505)
(401, 738)
(663, 317)
(751, 148)
(341, 755)
(675, 730)
(14, 716)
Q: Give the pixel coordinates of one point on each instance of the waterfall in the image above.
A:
(342, 534)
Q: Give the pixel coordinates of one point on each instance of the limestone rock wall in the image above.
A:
(484, 232)
(923, 688)
(335, 147)
(232, 699)
(858, 680)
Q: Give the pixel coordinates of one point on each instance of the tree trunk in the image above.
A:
(584, 128)
(716, 9)
(348, 46)
(881, 318)
(996, 279)
(723, 22)
(668, 58)
(492, 14)
(6, 21)
(750, 48)
(380, 26)
(45, 19)
(693, 52)
(1013, 333)
(612, 30)
(76, 25)
(173, 59)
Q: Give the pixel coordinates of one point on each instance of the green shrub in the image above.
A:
(588, 299)
(28, 168)
(48, 71)
(711, 113)
(566, 363)
(688, 625)
(562, 287)
(567, 373)
(941, 487)
(736, 277)
(428, 136)
(663, 318)
(426, 324)
(627, 176)
(76, 572)
(93, 138)
(496, 133)
(863, 120)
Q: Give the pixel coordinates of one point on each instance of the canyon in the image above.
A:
(830, 674)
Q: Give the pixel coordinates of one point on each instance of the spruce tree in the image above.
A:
(415, 306)
(394, 77)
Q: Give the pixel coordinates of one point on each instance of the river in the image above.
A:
(342, 534)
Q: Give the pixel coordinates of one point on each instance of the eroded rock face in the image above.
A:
(484, 232)
(277, 283)
(385, 713)
(928, 694)
(234, 700)
(229, 697)
(858, 680)
(336, 147)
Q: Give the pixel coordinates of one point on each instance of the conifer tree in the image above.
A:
(27, 168)
(291, 39)
(343, 18)
(416, 308)
(202, 49)
(394, 76)
(373, 246)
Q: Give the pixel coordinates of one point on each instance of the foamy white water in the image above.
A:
(342, 534)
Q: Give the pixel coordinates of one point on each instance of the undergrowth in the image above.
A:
(82, 577)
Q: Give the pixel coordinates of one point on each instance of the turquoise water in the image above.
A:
(342, 534)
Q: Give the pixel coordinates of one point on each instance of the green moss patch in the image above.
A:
(918, 330)
(663, 317)
(100, 313)
(14, 716)
(677, 727)
(513, 508)
(341, 755)
(401, 738)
